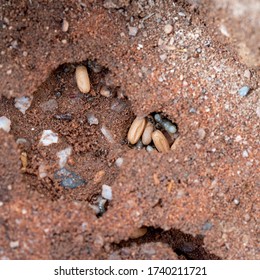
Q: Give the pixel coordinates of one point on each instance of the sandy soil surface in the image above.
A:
(186, 60)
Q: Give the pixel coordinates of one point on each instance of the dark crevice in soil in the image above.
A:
(184, 245)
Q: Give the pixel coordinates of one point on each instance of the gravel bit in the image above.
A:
(5, 124)
(48, 138)
(69, 179)
(65, 25)
(92, 120)
(168, 28)
(63, 156)
(119, 162)
(106, 192)
(244, 91)
(23, 103)
(132, 31)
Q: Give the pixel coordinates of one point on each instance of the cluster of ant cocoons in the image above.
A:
(148, 130)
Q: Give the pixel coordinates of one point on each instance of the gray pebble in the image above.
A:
(69, 179)
(244, 91)
(132, 31)
(92, 119)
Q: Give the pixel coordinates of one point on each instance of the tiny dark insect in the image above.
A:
(63, 117)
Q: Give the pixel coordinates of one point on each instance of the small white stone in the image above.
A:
(132, 30)
(63, 156)
(65, 25)
(23, 103)
(163, 57)
(1, 203)
(107, 134)
(160, 42)
(247, 74)
(245, 153)
(236, 201)
(106, 192)
(238, 138)
(42, 171)
(48, 138)
(201, 133)
(168, 28)
(14, 244)
(92, 119)
(140, 46)
(5, 124)
(258, 111)
(119, 162)
(224, 30)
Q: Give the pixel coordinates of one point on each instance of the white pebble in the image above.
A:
(247, 74)
(5, 124)
(119, 162)
(132, 31)
(42, 171)
(65, 25)
(201, 133)
(168, 28)
(107, 134)
(258, 111)
(245, 153)
(48, 138)
(106, 192)
(63, 156)
(224, 30)
(92, 119)
(163, 57)
(236, 201)
(238, 138)
(23, 103)
(14, 244)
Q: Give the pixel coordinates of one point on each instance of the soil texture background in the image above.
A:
(186, 60)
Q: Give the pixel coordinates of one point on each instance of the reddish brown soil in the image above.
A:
(199, 201)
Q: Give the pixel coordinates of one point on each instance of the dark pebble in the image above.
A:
(69, 179)
(58, 94)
